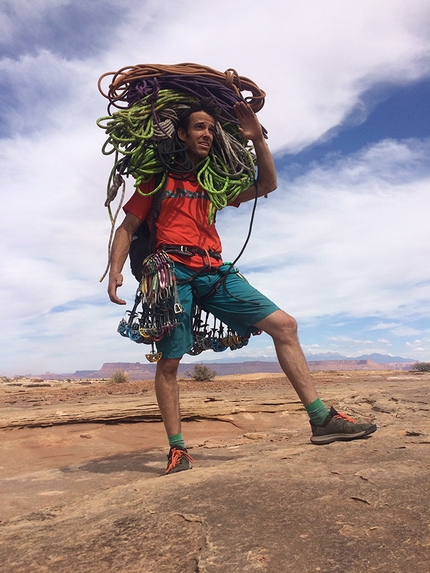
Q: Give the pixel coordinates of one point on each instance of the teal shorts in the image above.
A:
(236, 303)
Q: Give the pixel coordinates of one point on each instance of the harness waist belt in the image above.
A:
(189, 251)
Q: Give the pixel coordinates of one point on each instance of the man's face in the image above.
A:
(199, 136)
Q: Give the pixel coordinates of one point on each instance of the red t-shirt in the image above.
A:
(183, 219)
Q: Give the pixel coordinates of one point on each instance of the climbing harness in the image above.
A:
(156, 306)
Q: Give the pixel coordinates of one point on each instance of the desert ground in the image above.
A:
(83, 486)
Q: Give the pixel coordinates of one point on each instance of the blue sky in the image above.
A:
(342, 245)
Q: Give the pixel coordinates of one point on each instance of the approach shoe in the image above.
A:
(178, 460)
(339, 427)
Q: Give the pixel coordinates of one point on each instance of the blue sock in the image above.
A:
(317, 412)
(177, 440)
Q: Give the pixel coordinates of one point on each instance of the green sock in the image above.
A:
(317, 412)
(176, 440)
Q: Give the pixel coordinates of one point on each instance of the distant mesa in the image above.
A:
(329, 361)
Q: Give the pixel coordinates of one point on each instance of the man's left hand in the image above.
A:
(250, 128)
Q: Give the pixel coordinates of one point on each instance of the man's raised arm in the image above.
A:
(250, 128)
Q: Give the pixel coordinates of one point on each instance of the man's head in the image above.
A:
(196, 128)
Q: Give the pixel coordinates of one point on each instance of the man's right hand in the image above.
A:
(115, 281)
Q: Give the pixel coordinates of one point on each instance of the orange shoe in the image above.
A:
(178, 460)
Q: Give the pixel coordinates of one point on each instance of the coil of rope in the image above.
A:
(123, 78)
(141, 133)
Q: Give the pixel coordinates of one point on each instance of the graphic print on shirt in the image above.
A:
(185, 193)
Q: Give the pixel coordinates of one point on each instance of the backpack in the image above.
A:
(144, 241)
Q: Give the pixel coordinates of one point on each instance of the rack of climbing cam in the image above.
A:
(156, 306)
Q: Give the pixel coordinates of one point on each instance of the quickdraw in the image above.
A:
(156, 307)
(210, 333)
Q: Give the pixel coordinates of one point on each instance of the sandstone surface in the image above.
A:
(82, 486)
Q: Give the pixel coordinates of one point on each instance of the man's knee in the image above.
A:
(167, 367)
(287, 325)
(279, 325)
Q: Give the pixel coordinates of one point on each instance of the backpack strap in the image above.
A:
(144, 241)
(155, 209)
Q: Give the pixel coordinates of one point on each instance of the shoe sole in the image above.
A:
(329, 438)
(178, 469)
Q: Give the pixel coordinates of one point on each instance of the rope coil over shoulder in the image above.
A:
(142, 131)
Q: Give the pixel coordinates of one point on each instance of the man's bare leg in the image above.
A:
(283, 329)
(326, 426)
(167, 392)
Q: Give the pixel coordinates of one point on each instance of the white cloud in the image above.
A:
(384, 325)
(350, 237)
(313, 59)
(407, 331)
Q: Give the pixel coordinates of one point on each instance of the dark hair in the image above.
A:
(208, 105)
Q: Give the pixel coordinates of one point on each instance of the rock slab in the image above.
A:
(265, 500)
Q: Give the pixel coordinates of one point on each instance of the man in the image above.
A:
(183, 222)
